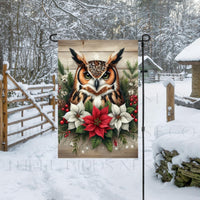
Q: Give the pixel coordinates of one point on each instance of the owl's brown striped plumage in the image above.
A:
(96, 81)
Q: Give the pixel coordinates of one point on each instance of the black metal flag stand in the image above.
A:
(145, 38)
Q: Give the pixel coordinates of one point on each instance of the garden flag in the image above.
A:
(98, 99)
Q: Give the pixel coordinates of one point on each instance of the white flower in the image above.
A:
(75, 115)
(64, 78)
(120, 118)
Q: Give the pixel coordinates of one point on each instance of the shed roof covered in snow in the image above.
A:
(148, 63)
(190, 54)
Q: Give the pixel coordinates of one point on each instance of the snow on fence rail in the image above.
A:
(174, 76)
(25, 110)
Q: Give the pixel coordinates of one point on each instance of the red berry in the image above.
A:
(66, 135)
(63, 109)
(135, 102)
(62, 122)
(66, 122)
(131, 99)
(131, 104)
(69, 131)
(66, 106)
(59, 88)
(137, 107)
(132, 115)
(135, 120)
(67, 110)
(135, 111)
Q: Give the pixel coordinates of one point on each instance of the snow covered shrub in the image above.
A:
(182, 166)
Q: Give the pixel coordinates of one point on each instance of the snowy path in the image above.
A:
(32, 170)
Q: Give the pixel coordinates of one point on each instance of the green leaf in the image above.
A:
(88, 106)
(123, 139)
(108, 143)
(124, 82)
(60, 137)
(75, 141)
(130, 109)
(80, 129)
(70, 81)
(96, 141)
(115, 132)
(108, 104)
(84, 137)
(61, 67)
(124, 132)
(100, 108)
(109, 134)
(127, 74)
(131, 125)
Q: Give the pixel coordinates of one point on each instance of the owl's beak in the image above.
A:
(96, 84)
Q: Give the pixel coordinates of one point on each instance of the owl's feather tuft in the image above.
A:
(118, 57)
(114, 59)
(77, 58)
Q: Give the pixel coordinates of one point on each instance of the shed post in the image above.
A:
(195, 81)
(170, 102)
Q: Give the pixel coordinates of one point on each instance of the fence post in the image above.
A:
(54, 99)
(42, 107)
(5, 114)
(170, 102)
(1, 116)
(22, 123)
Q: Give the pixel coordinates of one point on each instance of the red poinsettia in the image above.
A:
(98, 122)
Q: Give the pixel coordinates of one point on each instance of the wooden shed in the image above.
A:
(151, 67)
(191, 56)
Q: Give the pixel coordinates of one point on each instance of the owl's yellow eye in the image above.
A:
(106, 75)
(87, 76)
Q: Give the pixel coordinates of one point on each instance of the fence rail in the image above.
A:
(34, 102)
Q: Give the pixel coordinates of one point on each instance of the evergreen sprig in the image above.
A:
(131, 73)
(124, 89)
(61, 68)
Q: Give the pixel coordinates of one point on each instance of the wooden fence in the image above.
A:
(26, 111)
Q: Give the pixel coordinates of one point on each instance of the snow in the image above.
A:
(168, 81)
(187, 145)
(16, 108)
(33, 171)
(147, 57)
(190, 53)
(1, 77)
(11, 85)
(6, 63)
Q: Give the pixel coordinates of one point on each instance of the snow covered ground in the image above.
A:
(33, 171)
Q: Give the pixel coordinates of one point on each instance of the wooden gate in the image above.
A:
(26, 111)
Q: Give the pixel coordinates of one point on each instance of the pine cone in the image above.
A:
(61, 103)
